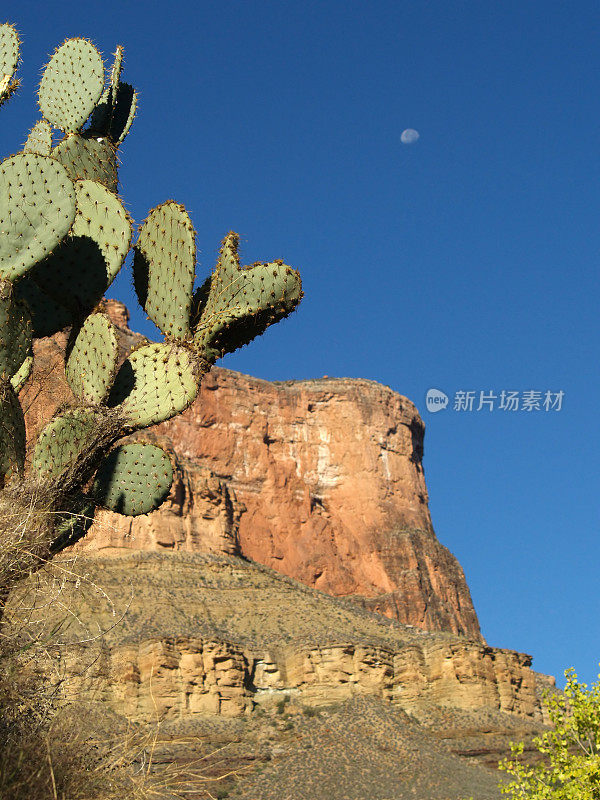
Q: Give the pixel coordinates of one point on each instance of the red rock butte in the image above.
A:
(321, 480)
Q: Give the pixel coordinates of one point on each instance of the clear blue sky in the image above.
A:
(466, 261)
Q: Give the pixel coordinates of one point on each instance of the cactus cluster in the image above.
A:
(64, 236)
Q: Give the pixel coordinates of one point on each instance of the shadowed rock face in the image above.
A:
(321, 480)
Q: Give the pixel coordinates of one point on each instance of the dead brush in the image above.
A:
(79, 751)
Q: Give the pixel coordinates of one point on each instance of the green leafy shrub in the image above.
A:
(570, 769)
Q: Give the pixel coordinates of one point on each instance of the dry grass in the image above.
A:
(49, 751)
(180, 594)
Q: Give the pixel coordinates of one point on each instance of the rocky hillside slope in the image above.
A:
(185, 633)
(294, 690)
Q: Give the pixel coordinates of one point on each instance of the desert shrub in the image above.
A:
(570, 769)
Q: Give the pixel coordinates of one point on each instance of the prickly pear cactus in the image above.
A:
(40, 139)
(134, 479)
(92, 360)
(16, 332)
(164, 268)
(64, 236)
(37, 210)
(157, 382)
(86, 262)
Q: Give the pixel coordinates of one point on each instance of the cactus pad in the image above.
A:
(39, 139)
(86, 157)
(16, 331)
(9, 50)
(115, 112)
(115, 121)
(235, 305)
(72, 84)
(62, 442)
(78, 273)
(124, 112)
(9, 60)
(12, 433)
(100, 118)
(155, 383)
(134, 479)
(92, 361)
(37, 209)
(164, 268)
(19, 379)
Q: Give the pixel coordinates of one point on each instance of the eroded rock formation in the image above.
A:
(322, 480)
(177, 677)
(184, 633)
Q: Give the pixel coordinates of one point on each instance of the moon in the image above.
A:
(409, 136)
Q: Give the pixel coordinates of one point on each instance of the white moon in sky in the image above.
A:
(409, 136)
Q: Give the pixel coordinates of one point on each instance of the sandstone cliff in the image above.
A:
(183, 634)
(322, 480)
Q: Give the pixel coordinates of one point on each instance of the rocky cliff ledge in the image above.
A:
(322, 480)
(180, 634)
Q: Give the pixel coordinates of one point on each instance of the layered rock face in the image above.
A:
(176, 677)
(298, 508)
(322, 480)
(208, 634)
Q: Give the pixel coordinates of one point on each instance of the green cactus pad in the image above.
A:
(72, 84)
(7, 88)
(100, 119)
(92, 361)
(164, 268)
(62, 441)
(37, 209)
(89, 158)
(16, 331)
(236, 305)
(9, 49)
(124, 112)
(12, 433)
(19, 379)
(102, 114)
(39, 139)
(9, 60)
(114, 121)
(155, 383)
(48, 316)
(134, 479)
(115, 112)
(78, 273)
